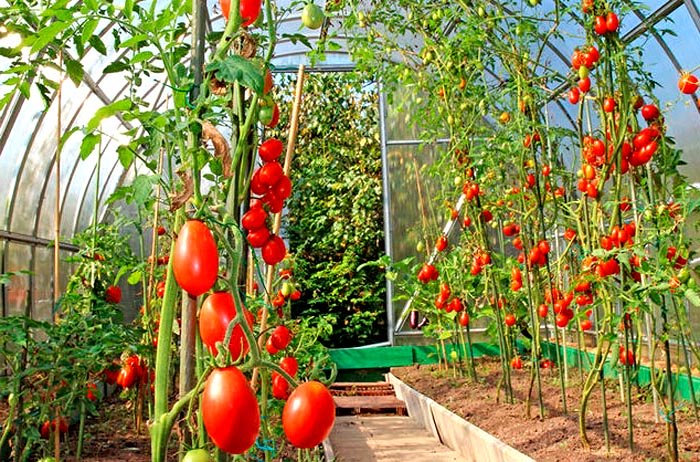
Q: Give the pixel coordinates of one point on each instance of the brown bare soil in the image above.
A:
(556, 437)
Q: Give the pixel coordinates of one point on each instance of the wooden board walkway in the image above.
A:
(386, 439)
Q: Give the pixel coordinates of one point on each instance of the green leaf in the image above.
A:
(235, 68)
(692, 296)
(141, 57)
(134, 41)
(99, 46)
(116, 66)
(88, 29)
(47, 34)
(108, 111)
(135, 277)
(126, 156)
(88, 144)
(75, 71)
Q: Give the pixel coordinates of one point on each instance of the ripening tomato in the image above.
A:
(650, 112)
(91, 392)
(127, 376)
(516, 363)
(195, 258)
(258, 237)
(688, 83)
(441, 243)
(309, 415)
(250, 10)
(161, 230)
(586, 324)
(230, 411)
(599, 25)
(254, 218)
(113, 294)
(160, 289)
(274, 250)
(609, 104)
(611, 22)
(268, 82)
(542, 310)
(270, 173)
(464, 318)
(584, 85)
(217, 312)
(280, 337)
(562, 320)
(574, 95)
(290, 365)
(510, 320)
(270, 150)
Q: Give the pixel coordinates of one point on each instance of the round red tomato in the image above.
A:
(650, 112)
(257, 238)
(280, 386)
(283, 188)
(217, 312)
(274, 250)
(308, 415)
(270, 150)
(254, 218)
(289, 365)
(510, 320)
(270, 173)
(281, 337)
(688, 83)
(250, 10)
(195, 258)
(230, 411)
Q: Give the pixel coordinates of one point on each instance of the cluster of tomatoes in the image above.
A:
(273, 187)
(428, 273)
(286, 292)
(133, 371)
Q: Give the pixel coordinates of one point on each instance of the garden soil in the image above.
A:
(556, 437)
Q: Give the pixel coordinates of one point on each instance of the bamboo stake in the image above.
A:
(57, 232)
(291, 144)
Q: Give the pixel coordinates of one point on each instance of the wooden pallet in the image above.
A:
(366, 398)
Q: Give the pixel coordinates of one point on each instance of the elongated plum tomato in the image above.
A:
(230, 411)
(195, 258)
(217, 312)
(309, 415)
(250, 10)
(274, 250)
(270, 149)
(688, 83)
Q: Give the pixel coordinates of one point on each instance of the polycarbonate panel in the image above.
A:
(18, 258)
(685, 49)
(43, 284)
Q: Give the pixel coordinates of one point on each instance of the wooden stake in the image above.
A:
(291, 144)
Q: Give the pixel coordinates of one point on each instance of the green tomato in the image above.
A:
(265, 114)
(197, 455)
(457, 181)
(312, 16)
(683, 275)
(583, 72)
(692, 284)
(420, 247)
(287, 289)
(47, 459)
(453, 355)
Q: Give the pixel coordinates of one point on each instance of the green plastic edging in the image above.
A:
(408, 355)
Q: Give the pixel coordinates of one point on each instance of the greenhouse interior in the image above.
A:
(343, 230)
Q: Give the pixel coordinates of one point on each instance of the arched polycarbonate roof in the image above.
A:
(29, 127)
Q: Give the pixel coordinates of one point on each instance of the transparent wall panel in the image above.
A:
(686, 50)
(18, 258)
(43, 284)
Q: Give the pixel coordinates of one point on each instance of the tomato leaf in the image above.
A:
(126, 156)
(75, 70)
(46, 35)
(235, 68)
(108, 111)
(88, 144)
(97, 43)
(135, 277)
(88, 29)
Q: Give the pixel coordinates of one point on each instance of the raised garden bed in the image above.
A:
(556, 437)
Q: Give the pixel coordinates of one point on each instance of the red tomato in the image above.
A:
(308, 415)
(283, 188)
(280, 386)
(113, 294)
(270, 347)
(268, 82)
(270, 150)
(562, 320)
(195, 258)
(464, 319)
(230, 411)
(280, 337)
(569, 234)
(127, 376)
(258, 237)
(217, 312)
(91, 392)
(543, 310)
(584, 84)
(688, 83)
(274, 250)
(441, 243)
(290, 365)
(650, 112)
(599, 26)
(250, 10)
(160, 289)
(586, 324)
(270, 173)
(254, 218)
(510, 320)
(516, 363)
(256, 186)
(609, 104)
(574, 95)
(161, 230)
(611, 22)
